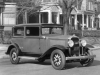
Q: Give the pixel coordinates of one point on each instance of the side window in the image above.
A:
(19, 31)
(32, 31)
(52, 31)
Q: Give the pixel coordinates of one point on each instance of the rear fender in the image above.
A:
(13, 46)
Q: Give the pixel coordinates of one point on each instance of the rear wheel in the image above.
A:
(87, 62)
(14, 56)
(58, 60)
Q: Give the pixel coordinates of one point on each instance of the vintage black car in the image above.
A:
(46, 41)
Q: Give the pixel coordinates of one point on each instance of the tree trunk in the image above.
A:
(66, 16)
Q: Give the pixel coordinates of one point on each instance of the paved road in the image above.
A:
(30, 67)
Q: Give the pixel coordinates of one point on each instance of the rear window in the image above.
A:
(19, 31)
(32, 31)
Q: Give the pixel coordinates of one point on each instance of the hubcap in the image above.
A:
(14, 56)
(57, 60)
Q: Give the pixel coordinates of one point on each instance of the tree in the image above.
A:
(67, 7)
(29, 6)
(32, 6)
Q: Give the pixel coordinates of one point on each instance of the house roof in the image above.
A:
(75, 11)
(89, 12)
(51, 8)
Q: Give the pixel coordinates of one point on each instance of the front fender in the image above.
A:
(60, 47)
(51, 49)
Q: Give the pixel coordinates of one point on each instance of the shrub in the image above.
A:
(5, 37)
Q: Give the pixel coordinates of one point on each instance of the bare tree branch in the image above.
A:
(67, 6)
(27, 5)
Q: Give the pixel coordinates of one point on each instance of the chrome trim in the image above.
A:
(80, 57)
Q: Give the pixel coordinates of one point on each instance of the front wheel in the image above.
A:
(14, 56)
(58, 59)
(87, 62)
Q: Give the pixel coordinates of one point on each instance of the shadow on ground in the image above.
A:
(96, 63)
(47, 62)
(68, 65)
(78, 65)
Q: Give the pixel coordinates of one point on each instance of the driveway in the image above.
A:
(31, 67)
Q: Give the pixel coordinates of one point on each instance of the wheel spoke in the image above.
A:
(57, 59)
(14, 56)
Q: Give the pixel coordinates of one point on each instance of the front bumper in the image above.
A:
(80, 57)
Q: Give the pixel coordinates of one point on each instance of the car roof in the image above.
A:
(39, 24)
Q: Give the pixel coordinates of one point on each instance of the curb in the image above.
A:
(96, 47)
(3, 47)
(93, 49)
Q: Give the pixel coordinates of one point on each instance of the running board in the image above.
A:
(24, 57)
(80, 57)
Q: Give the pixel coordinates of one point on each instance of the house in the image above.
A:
(97, 22)
(53, 11)
(8, 15)
(82, 16)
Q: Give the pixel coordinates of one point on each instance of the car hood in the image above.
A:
(59, 36)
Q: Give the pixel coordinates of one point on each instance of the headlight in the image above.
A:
(70, 43)
(83, 42)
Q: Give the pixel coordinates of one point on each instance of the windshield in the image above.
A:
(52, 30)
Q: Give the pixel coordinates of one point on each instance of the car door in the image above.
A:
(18, 36)
(31, 40)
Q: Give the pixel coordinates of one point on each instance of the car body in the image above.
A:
(47, 41)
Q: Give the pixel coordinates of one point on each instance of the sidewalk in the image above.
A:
(3, 49)
(96, 47)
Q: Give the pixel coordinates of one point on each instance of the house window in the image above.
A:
(90, 5)
(89, 21)
(20, 19)
(33, 18)
(54, 17)
(61, 19)
(9, 14)
(79, 4)
(20, 16)
(96, 23)
(9, 18)
(0, 16)
(44, 17)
